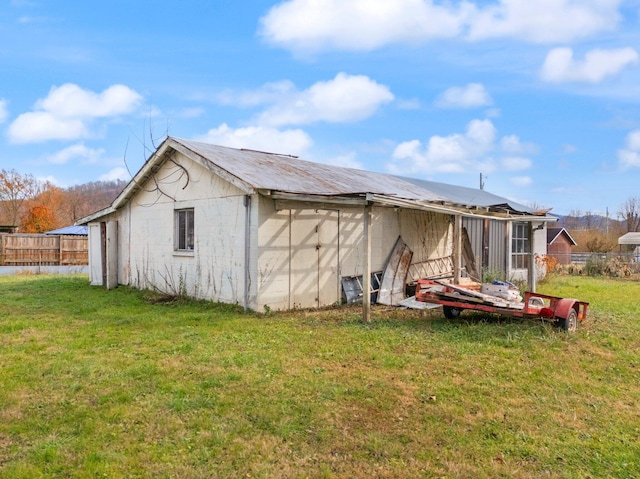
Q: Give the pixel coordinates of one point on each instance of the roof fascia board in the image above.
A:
(94, 216)
(454, 211)
(570, 237)
(324, 199)
(210, 165)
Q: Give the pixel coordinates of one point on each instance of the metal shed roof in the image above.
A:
(70, 230)
(288, 177)
(554, 232)
(632, 238)
(470, 196)
(269, 171)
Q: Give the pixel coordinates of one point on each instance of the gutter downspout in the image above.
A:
(247, 248)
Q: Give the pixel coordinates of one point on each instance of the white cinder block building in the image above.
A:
(271, 231)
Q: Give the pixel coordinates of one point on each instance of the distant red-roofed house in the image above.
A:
(559, 244)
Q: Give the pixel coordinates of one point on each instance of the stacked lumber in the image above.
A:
(438, 291)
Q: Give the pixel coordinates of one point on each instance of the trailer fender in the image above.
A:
(564, 307)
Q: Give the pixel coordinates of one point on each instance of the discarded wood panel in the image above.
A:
(412, 303)
(468, 256)
(394, 277)
(431, 268)
(352, 287)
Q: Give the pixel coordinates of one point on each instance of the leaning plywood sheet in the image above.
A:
(394, 277)
(469, 257)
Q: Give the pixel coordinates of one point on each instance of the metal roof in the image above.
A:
(269, 171)
(288, 177)
(554, 231)
(632, 238)
(70, 230)
(466, 196)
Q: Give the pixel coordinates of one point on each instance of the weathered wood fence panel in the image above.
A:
(43, 250)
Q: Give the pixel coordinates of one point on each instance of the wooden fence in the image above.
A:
(43, 250)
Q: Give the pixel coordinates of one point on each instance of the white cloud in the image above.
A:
(516, 163)
(629, 157)
(41, 126)
(521, 181)
(456, 153)
(68, 113)
(118, 173)
(312, 25)
(476, 150)
(513, 145)
(4, 111)
(560, 66)
(77, 152)
(472, 95)
(293, 142)
(269, 93)
(71, 101)
(49, 179)
(544, 21)
(346, 98)
(194, 112)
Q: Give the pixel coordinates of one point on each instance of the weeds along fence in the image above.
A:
(43, 250)
(600, 264)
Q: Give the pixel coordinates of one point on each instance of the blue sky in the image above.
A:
(542, 98)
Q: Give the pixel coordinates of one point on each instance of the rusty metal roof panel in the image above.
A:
(289, 174)
(463, 195)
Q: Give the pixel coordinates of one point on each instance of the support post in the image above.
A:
(247, 249)
(366, 274)
(457, 248)
(532, 260)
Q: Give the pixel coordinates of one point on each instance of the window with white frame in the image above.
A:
(520, 247)
(184, 230)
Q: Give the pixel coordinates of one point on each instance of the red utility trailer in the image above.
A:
(564, 312)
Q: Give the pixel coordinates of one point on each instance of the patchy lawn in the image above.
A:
(115, 384)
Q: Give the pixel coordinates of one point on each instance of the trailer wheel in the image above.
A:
(570, 323)
(451, 312)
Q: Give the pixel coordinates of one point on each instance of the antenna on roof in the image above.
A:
(481, 182)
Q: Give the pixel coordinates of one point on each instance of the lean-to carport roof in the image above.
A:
(287, 177)
(470, 197)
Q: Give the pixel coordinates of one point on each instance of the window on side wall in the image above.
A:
(184, 230)
(520, 247)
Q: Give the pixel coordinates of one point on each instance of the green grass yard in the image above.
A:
(97, 383)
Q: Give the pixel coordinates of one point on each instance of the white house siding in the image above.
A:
(304, 252)
(214, 269)
(95, 254)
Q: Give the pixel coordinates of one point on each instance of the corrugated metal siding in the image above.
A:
(474, 227)
(497, 246)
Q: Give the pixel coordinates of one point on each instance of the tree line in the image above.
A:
(596, 233)
(35, 206)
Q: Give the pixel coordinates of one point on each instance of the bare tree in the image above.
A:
(630, 213)
(15, 189)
